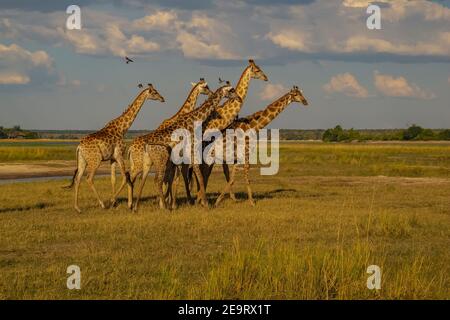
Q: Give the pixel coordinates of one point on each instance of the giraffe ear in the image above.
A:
(193, 84)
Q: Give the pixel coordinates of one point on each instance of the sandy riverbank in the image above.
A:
(44, 169)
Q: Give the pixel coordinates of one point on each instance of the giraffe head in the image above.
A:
(256, 72)
(297, 95)
(152, 94)
(228, 91)
(202, 86)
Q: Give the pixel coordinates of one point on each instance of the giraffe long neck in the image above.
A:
(191, 101)
(185, 121)
(243, 83)
(203, 112)
(188, 106)
(122, 123)
(230, 109)
(262, 118)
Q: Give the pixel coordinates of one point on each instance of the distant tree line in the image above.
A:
(17, 132)
(336, 134)
(413, 133)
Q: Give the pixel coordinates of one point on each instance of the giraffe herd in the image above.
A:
(154, 149)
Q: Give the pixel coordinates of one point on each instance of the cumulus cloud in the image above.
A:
(17, 64)
(156, 21)
(202, 37)
(272, 91)
(11, 77)
(337, 29)
(290, 39)
(320, 29)
(15, 54)
(347, 84)
(391, 86)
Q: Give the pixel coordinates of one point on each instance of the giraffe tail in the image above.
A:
(73, 177)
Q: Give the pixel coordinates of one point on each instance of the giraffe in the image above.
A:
(198, 88)
(108, 145)
(257, 121)
(224, 116)
(163, 138)
(136, 150)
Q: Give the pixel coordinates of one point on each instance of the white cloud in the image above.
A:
(193, 47)
(202, 37)
(16, 54)
(17, 63)
(338, 28)
(367, 44)
(334, 29)
(11, 77)
(137, 44)
(399, 87)
(360, 3)
(347, 84)
(290, 39)
(160, 20)
(82, 41)
(110, 40)
(272, 91)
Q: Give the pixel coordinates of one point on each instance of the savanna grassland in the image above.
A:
(330, 212)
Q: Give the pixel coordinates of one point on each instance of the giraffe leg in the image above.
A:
(81, 168)
(92, 168)
(131, 182)
(121, 164)
(201, 195)
(206, 169)
(145, 170)
(174, 188)
(228, 186)
(226, 172)
(187, 178)
(113, 176)
(135, 169)
(247, 182)
(169, 172)
(160, 170)
(170, 179)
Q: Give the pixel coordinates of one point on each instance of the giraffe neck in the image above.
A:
(124, 121)
(185, 121)
(188, 106)
(263, 118)
(230, 109)
(243, 83)
(191, 101)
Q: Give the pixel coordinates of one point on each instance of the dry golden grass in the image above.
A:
(310, 235)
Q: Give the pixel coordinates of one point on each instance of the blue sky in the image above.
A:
(53, 78)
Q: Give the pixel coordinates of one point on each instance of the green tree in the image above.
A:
(412, 132)
(444, 135)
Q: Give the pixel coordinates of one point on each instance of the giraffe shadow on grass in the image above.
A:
(37, 206)
(212, 196)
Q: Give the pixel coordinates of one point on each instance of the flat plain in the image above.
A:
(330, 212)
